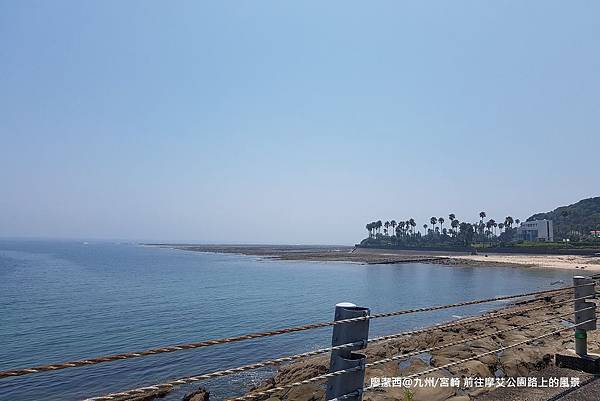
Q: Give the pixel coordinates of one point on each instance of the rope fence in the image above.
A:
(227, 340)
(291, 358)
(255, 395)
(353, 326)
(452, 364)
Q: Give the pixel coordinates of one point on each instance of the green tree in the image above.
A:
(481, 227)
(413, 224)
(433, 222)
(393, 224)
(564, 214)
(441, 221)
(401, 225)
(455, 223)
(466, 233)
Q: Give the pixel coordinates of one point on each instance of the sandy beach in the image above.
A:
(543, 261)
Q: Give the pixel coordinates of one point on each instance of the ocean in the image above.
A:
(65, 300)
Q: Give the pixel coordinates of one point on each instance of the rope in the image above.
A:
(208, 343)
(272, 362)
(475, 357)
(451, 364)
(394, 358)
(220, 373)
(474, 338)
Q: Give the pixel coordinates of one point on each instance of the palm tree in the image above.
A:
(481, 227)
(386, 225)
(508, 221)
(455, 223)
(401, 226)
(369, 227)
(393, 224)
(482, 215)
(378, 225)
(489, 225)
(501, 226)
(451, 216)
(413, 224)
(433, 222)
(441, 221)
(425, 227)
(466, 233)
(517, 221)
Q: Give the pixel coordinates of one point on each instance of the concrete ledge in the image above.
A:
(589, 363)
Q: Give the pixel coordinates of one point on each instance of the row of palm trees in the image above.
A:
(404, 228)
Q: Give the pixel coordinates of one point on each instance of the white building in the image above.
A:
(536, 230)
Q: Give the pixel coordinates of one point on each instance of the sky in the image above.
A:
(291, 122)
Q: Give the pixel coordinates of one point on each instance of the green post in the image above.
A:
(584, 312)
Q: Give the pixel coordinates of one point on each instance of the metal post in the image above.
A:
(342, 359)
(584, 288)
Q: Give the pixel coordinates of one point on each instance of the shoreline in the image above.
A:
(370, 256)
(528, 360)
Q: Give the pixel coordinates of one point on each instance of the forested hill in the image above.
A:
(580, 217)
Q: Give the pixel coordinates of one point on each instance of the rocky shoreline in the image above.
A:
(351, 254)
(530, 360)
(521, 361)
(337, 254)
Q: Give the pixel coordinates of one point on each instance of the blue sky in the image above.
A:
(291, 122)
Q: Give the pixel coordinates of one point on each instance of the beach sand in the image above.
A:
(543, 261)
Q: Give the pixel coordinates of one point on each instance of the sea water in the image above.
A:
(66, 300)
